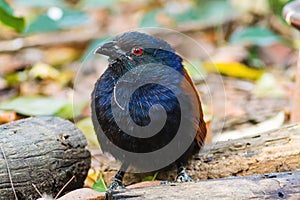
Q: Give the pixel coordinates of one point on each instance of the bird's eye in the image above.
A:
(137, 51)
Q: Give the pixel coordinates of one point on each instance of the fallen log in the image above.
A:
(270, 152)
(39, 156)
(284, 185)
(262, 153)
(272, 186)
(274, 151)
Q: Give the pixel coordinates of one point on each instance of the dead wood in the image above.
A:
(41, 154)
(271, 186)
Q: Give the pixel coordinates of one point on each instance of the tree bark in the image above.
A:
(273, 151)
(41, 154)
(272, 186)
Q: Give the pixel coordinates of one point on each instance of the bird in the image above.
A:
(146, 88)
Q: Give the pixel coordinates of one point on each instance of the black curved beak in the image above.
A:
(110, 49)
(106, 48)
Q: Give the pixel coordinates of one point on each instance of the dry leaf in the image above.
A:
(8, 116)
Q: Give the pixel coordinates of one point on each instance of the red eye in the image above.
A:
(137, 51)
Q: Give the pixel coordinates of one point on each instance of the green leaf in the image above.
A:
(254, 59)
(100, 186)
(70, 18)
(69, 111)
(16, 77)
(6, 7)
(86, 126)
(34, 105)
(42, 24)
(150, 178)
(149, 19)
(8, 18)
(212, 12)
(39, 3)
(66, 111)
(277, 5)
(255, 35)
(98, 4)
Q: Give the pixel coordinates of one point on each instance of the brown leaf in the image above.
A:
(60, 55)
(8, 116)
(9, 64)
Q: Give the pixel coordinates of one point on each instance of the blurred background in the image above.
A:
(248, 58)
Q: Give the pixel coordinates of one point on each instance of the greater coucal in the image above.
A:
(124, 108)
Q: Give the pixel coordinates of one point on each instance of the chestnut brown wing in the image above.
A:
(200, 125)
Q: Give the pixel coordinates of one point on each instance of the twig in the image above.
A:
(44, 197)
(34, 186)
(64, 187)
(9, 174)
(50, 39)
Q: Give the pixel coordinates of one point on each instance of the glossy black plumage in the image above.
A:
(111, 91)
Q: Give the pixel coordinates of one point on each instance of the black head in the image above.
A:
(133, 48)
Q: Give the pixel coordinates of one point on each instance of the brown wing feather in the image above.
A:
(200, 126)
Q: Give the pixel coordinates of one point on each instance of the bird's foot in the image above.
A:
(114, 185)
(183, 177)
(165, 182)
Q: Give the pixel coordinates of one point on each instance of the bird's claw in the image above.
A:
(116, 184)
(165, 182)
(182, 178)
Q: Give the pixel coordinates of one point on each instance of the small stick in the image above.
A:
(64, 187)
(34, 186)
(9, 174)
